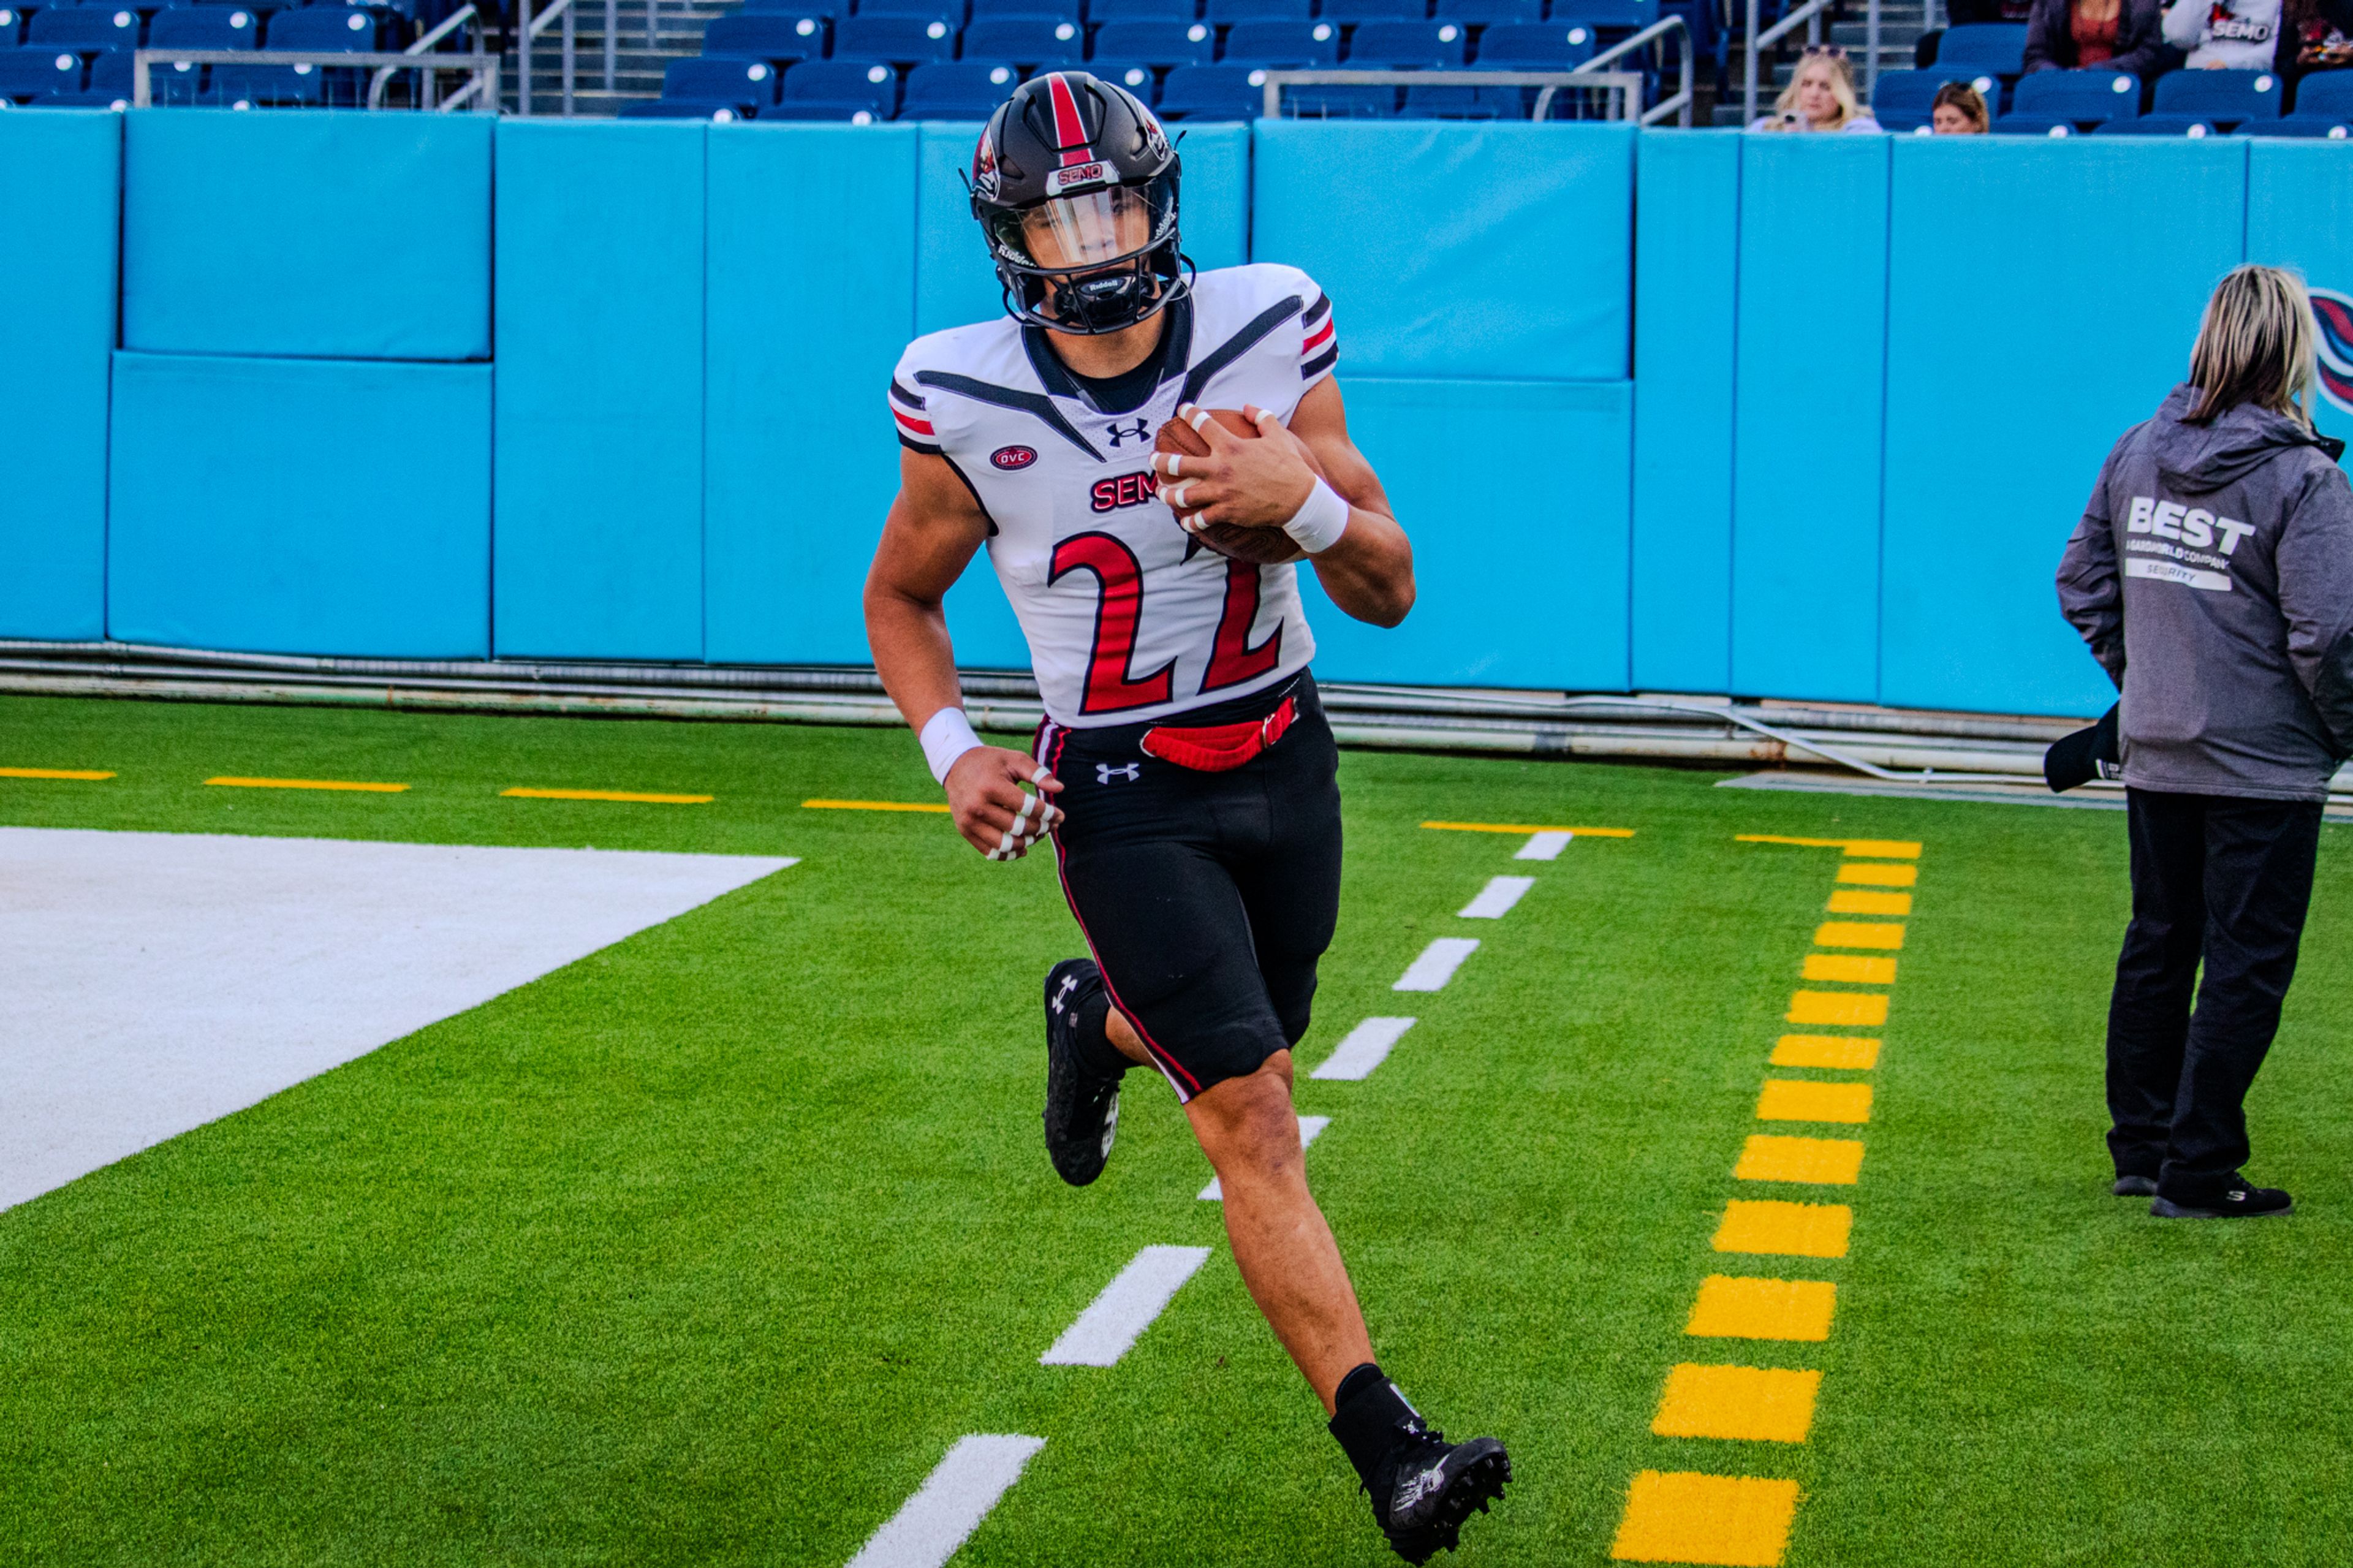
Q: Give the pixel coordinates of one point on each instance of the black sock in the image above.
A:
(1094, 1036)
(1368, 1416)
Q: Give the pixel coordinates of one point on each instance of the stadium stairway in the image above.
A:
(638, 67)
(1901, 22)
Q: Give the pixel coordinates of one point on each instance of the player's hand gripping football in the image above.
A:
(994, 813)
(1243, 482)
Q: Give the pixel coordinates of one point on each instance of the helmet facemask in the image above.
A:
(1092, 262)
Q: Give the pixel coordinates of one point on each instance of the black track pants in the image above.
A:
(2225, 879)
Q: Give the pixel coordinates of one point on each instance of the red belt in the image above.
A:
(1215, 748)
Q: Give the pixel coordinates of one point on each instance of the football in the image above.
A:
(1266, 546)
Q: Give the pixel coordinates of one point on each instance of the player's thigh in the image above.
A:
(1167, 924)
(1291, 890)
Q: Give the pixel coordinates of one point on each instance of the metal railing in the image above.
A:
(530, 25)
(1678, 105)
(482, 90)
(449, 26)
(1625, 87)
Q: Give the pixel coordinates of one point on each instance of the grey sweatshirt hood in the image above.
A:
(2198, 459)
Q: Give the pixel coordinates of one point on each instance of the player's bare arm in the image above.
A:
(1368, 570)
(933, 528)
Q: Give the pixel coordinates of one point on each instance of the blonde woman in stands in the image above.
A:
(1820, 97)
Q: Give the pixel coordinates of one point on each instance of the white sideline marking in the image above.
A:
(1437, 963)
(950, 1504)
(1309, 1126)
(1545, 846)
(1366, 1048)
(1496, 899)
(1114, 1320)
(151, 982)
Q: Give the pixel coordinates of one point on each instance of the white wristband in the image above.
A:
(948, 735)
(1321, 518)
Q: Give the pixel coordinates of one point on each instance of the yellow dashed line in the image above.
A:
(1857, 1051)
(1865, 1009)
(937, 806)
(1748, 1403)
(1885, 935)
(1740, 1521)
(309, 784)
(1803, 1100)
(1878, 874)
(1814, 1161)
(89, 774)
(1854, 901)
(606, 794)
(1784, 1230)
(1850, 968)
(1527, 828)
(1738, 1307)
(1866, 849)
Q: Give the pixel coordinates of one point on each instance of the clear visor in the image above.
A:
(1074, 233)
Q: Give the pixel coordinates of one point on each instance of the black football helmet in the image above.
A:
(1074, 183)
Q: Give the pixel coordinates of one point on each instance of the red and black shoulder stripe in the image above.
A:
(1319, 347)
(908, 414)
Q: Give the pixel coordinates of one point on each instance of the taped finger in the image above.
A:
(1007, 844)
(1175, 495)
(1042, 776)
(1029, 803)
(1175, 461)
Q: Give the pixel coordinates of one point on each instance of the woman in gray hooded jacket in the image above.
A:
(2212, 577)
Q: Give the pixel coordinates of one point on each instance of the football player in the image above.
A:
(1183, 771)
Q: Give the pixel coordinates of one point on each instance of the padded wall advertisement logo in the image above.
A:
(2333, 313)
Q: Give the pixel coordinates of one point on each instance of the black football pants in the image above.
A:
(2225, 879)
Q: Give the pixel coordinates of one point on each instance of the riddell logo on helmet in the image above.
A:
(1070, 179)
(1012, 458)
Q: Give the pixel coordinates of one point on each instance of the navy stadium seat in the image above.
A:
(109, 84)
(902, 40)
(1350, 11)
(2158, 125)
(1213, 92)
(1224, 12)
(204, 28)
(743, 85)
(1487, 13)
(1160, 44)
(1031, 40)
(1291, 45)
(957, 89)
(926, 9)
(38, 73)
(682, 109)
(1133, 75)
(2223, 99)
(2333, 127)
(2077, 100)
(1062, 10)
(820, 11)
(1627, 14)
(1465, 103)
(85, 27)
(1140, 10)
(1982, 48)
(1538, 46)
(323, 27)
(1407, 46)
(2326, 93)
(1901, 100)
(1339, 103)
(772, 37)
(12, 26)
(838, 90)
(293, 86)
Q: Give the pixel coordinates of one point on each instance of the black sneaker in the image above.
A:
(1081, 1105)
(1426, 1487)
(2238, 1201)
(2135, 1187)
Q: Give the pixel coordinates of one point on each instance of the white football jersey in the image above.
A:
(1128, 617)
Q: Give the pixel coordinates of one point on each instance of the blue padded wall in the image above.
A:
(60, 172)
(262, 505)
(954, 282)
(1989, 466)
(1686, 265)
(799, 458)
(1558, 617)
(1806, 457)
(599, 452)
(344, 236)
(2300, 215)
(1465, 251)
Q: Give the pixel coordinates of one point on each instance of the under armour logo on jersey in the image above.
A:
(1131, 772)
(1141, 430)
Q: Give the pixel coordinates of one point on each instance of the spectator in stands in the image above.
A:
(1958, 111)
(2116, 35)
(2213, 578)
(1820, 97)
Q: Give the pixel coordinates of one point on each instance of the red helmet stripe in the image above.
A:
(1070, 131)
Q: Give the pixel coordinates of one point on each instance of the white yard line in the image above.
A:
(1545, 846)
(1496, 899)
(950, 1504)
(1309, 1126)
(1113, 1320)
(1365, 1049)
(1437, 963)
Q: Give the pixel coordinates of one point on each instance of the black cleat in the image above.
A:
(1081, 1104)
(2240, 1200)
(1426, 1487)
(2135, 1187)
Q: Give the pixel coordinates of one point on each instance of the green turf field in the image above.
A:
(705, 1249)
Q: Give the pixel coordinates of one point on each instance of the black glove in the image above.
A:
(2086, 755)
